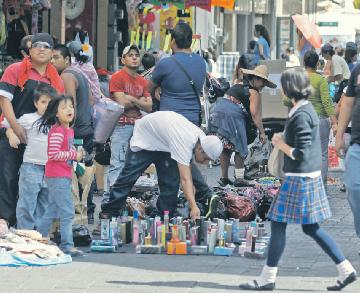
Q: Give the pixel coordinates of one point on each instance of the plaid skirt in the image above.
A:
(301, 200)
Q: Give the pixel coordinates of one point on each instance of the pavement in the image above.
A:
(303, 268)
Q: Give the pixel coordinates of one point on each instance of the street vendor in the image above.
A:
(171, 142)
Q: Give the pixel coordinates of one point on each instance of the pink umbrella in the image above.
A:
(308, 29)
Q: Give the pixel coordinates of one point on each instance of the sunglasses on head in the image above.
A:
(41, 46)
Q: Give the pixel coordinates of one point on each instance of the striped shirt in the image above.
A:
(61, 152)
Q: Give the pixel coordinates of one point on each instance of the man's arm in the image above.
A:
(344, 119)
(188, 189)
(143, 103)
(9, 114)
(125, 100)
(152, 90)
(335, 78)
(70, 85)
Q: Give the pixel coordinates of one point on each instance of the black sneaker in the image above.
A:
(225, 181)
(241, 182)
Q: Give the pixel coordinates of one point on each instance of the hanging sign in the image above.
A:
(203, 4)
(178, 3)
(227, 4)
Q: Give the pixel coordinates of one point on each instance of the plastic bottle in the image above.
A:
(136, 228)
(114, 233)
(166, 221)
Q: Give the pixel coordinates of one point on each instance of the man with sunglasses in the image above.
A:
(17, 87)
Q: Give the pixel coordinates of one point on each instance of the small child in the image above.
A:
(33, 192)
(56, 122)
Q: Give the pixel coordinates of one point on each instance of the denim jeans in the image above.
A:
(119, 144)
(135, 164)
(61, 204)
(324, 128)
(352, 183)
(33, 196)
(10, 162)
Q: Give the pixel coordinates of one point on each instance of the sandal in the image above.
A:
(340, 285)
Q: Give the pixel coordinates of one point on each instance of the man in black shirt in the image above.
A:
(350, 110)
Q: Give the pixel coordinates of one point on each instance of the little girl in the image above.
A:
(56, 122)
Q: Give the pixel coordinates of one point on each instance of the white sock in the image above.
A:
(239, 173)
(344, 269)
(268, 275)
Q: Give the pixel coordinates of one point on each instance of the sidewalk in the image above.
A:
(304, 267)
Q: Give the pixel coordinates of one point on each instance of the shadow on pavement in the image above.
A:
(195, 284)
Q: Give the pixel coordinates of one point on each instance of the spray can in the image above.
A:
(114, 233)
(235, 231)
(166, 221)
(136, 228)
(105, 229)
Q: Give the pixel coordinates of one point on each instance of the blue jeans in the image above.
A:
(33, 196)
(119, 144)
(352, 183)
(324, 240)
(135, 164)
(61, 204)
(324, 128)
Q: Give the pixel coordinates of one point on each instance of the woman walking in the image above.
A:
(262, 51)
(236, 119)
(301, 198)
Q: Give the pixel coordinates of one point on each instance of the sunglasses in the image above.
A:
(41, 46)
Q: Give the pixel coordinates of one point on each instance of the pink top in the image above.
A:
(61, 152)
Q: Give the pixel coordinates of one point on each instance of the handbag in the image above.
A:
(276, 163)
(216, 87)
(240, 207)
(106, 115)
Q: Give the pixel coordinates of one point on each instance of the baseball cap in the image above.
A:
(326, 48)
(351, 45)
(43, 38)
(75, 47)
(128, 48)
(212, 146)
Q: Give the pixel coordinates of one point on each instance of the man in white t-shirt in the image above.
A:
(340, 72)
(170, 141)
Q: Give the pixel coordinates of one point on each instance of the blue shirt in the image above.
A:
(177, 94)
(266, 49)
(307, 47)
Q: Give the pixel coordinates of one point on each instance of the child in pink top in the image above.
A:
(56, 121)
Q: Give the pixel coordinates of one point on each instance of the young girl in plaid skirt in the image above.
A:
(301, 198)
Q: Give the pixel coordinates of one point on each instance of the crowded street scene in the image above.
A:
(179, 146)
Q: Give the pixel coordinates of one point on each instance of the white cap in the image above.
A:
(212, 146)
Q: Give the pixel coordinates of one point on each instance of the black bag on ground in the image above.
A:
(81, 235)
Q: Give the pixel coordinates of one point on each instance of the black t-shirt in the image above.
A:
(353, 90)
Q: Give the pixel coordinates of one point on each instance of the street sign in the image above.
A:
(328, 23)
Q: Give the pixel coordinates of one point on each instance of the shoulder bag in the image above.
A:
(191, 81)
